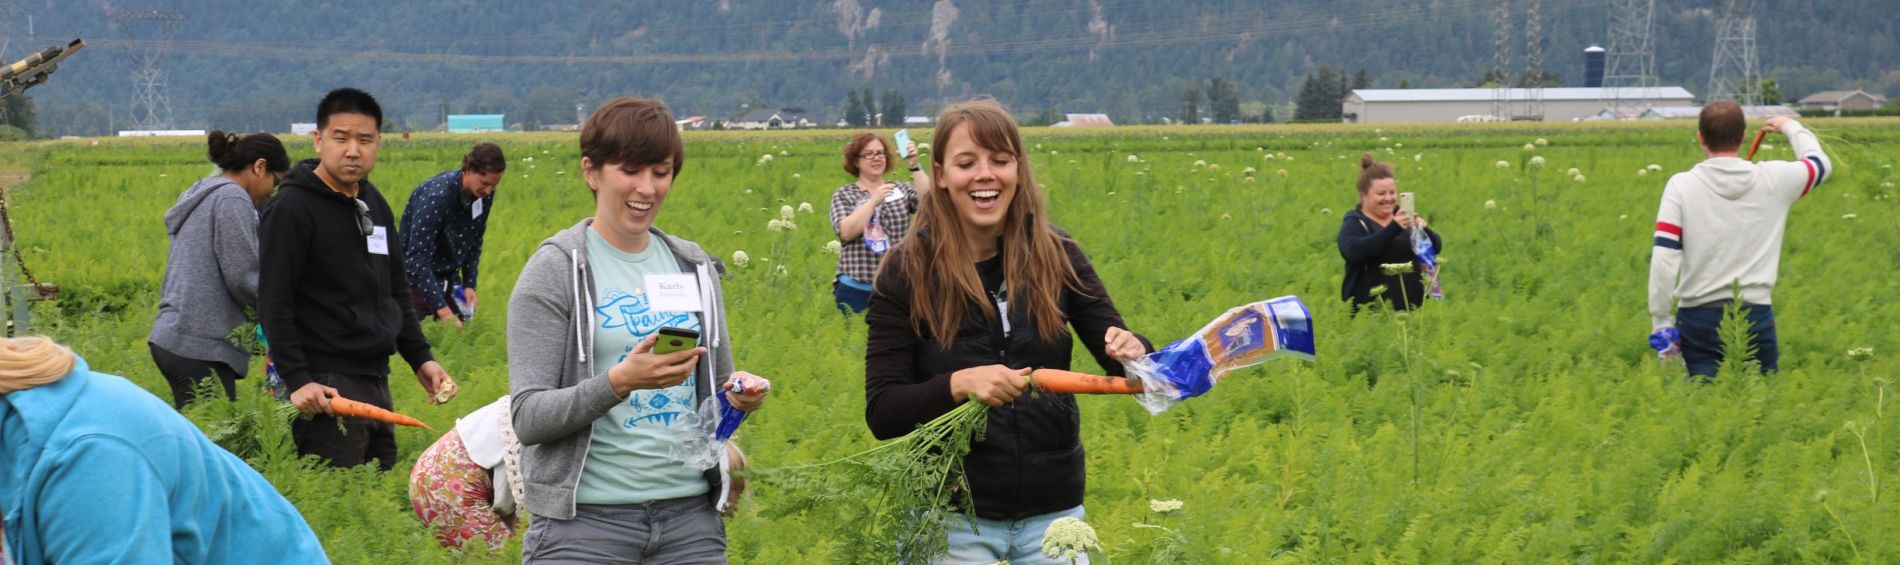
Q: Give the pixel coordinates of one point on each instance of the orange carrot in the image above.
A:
(345, 407)
(1759, 135)
(1071, 382)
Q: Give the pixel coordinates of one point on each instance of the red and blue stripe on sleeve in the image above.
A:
(1817, 173)
(1668, 236)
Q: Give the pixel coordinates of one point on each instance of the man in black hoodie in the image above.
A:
(331, 289)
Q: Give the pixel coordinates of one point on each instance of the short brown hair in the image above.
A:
(863, 138)
(1722, 125)
(485, 158)
(632, 131)
(1371, 170)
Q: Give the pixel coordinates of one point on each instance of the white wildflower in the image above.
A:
(780, 270)
(1326, 211)
(787, 212)
(1164, 506)
(775, 225)
(528, 159)
(1198, 163)
(739, 258)
(804, 207)
(796, 176)
(1395, 268)
(1281, 173)
(1267, 157)
(1654, 168)
(1537, 162)
(1247, 171)
(1642, 172)
(833, 247)
(1860, 353)
(784, 153)
(1850, 216)
(1529, 148)
(1053, 152)
(1504, 165)
(1490, 204)
(1416, 157)
(1377, 290)
(1541, 142)
(1134, 159)
(1214, 167)
(1069, 538)
(1578, 178)
(1573, 172)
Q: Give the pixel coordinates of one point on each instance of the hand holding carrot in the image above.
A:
(994, 385)
(312, 399)
(642, 370)
(436, 381)
(1122, 345)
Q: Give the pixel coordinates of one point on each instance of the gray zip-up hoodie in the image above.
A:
(210, 273)
(556, 396)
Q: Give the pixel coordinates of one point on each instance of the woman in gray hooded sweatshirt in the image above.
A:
(211, 270)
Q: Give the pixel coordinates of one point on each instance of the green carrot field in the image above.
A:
(1524, 419)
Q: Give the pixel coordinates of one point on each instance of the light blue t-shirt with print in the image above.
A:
(629, 460)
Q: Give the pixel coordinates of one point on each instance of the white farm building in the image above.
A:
(1450, 104)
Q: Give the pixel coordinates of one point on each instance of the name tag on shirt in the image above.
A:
(476, 210)
(673, 293)
(379, 240)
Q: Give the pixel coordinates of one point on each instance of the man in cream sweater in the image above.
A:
(1720, 224)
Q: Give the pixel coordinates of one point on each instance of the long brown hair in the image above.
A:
(27, 362)
(941, 268)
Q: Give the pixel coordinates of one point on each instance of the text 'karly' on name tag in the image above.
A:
(673, 293)
(379, 240)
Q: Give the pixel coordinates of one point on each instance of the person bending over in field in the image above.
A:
(332, 296)
(1720, 224)
(600, 414)
(983, 291)
(870, 215)
(97, 470)
(211, 269)
(1378, 233)
(442, 231)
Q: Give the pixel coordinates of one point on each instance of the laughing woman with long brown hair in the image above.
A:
(984, 290)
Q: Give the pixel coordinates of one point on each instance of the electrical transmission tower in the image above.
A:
(1734, 73)
(1534, 64)
(151, 109)
(1529, 99)
(1501, 61)
(1629, 79)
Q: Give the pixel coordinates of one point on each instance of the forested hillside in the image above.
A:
(261, 64)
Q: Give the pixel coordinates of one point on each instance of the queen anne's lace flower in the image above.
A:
(1068, 538)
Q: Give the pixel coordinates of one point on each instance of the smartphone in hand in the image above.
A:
(903, 143)
(674, 339)
(1407, 205)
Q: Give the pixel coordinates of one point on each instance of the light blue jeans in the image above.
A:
(1019, 541)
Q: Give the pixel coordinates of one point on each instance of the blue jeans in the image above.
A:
(1019, 541)
(851, 299)
(681, 530)
(1702, 344)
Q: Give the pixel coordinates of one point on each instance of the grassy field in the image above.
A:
(1526, 421)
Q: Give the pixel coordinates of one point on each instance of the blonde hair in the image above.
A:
(27, 362)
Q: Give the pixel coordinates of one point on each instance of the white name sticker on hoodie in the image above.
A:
(675, 293)
(379, 241)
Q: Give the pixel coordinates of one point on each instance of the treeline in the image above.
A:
(261, 64)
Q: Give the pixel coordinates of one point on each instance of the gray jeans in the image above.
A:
(680, 530)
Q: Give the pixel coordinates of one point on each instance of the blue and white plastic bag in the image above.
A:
(1244, 336)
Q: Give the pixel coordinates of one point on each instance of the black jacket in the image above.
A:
(1366, 246)
(1030, 460)
(326, 303)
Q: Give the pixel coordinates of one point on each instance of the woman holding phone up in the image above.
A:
(984, 291)
(601, 412)
(1377, 233)
(870, 215)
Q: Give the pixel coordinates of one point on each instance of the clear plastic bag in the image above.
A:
(1244, 336)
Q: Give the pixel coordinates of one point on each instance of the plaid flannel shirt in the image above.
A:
(855, 260)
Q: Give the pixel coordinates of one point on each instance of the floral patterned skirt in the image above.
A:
(452, 495)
